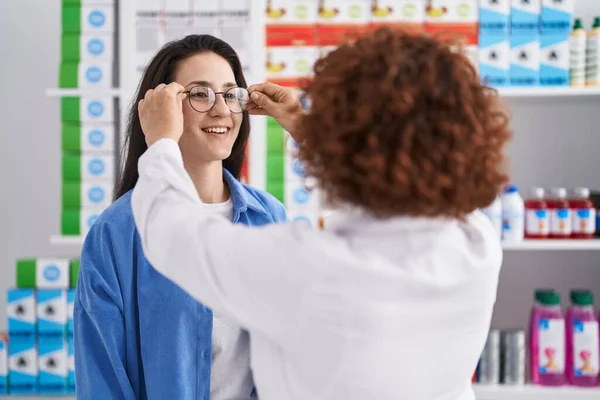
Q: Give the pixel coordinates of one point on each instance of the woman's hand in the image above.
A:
(161, 113)
(278, 102)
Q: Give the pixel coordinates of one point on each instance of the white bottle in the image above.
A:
(513, 215)
(577, 47)
(494, 213)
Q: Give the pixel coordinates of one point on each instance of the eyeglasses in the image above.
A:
(203, 98)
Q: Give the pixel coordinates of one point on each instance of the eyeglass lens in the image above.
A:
(202, 98)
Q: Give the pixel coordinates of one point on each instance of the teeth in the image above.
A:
(215, 130)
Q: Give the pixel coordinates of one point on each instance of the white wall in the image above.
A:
(556, 143)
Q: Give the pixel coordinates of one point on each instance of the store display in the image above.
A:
(583, 350)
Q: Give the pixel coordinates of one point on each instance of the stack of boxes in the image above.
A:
(525, 42)
(40, 328)
(88, 120)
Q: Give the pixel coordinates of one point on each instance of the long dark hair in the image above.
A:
(162, 70)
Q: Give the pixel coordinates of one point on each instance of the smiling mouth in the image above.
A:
(221, 130)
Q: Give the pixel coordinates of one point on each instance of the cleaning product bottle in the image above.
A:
(583, 346)
(494, 213)
(577, 45)
(537, 219)
(592, 62)
(560, 214)
(583, 213)
(547, 339)
(513, 215)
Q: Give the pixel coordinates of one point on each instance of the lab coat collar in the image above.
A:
(241, 198)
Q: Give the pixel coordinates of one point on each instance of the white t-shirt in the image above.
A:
(231, 377)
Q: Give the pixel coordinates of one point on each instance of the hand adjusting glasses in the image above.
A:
(202, 98)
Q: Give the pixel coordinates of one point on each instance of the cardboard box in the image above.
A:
(86, 74)
(53, 364)
(554, 60)
(88, 166)
(87, 194)
(88, 137)
(22, 366)
(494, 60)
(525, 17)
(524, 60)
(88, 18)
(21, 314)
(557, 16)
(88, 47)
(78, 222)
(43, 273)
(88, 109)
(3, 363)
(494, 17)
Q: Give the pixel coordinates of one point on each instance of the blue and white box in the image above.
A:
(3, 364)
(71, 373)
(97, 47)
(97, 109)
(21, 314)
(524, 60)
(525, 16)
(22, 366)
(53, 366)
(52, 273)
(494, 17)
(52, 314)
(70, 311)
(557, 16)
(554, 60)
(494, 60)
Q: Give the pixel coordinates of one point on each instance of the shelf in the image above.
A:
(36, 397)
(59, 240)
(567, 244)
(530, 392)
(561, 91)
(88, 92)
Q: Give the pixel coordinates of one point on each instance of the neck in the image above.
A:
(208, 179)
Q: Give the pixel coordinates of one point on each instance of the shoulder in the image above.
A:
(269, 203)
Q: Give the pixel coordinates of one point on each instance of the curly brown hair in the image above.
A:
(400, 124)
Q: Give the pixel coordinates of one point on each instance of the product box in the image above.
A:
(453, 19)
(300, 196)
(52, 314)
(88, 166)
(294, 170)
(405, 14)
(71, 373)
(43, 273)
(78, 222)
(524, 60)
(87, 109)
(22, 366)
(494, 17)
(341, 20)
(74, 272)
(554, 60)
(88, 18)
(88, 47)
(494, 60)
(70, 311)
(557, 16)
(87, 194)
(290, 62)
(53, 364)
(88, 137)
(21, 314)
(3, 363)
(525, 17)
(86, 74)
(291, 12)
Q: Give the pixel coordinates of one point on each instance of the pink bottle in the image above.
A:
(582, 340)
(547, 339)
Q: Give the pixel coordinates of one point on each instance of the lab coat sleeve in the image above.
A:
(255, 275)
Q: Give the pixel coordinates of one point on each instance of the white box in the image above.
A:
(99, 109)
(97, 74)
(97, 137)
(52, 313)
(452, 11)
(290, 62)
(98, 18)
(554, 60)
(395, 11)
(494, 60)
(53, 365)
(97, 48)
(292, 12)
(97, 166)
(23, 367)
(21, 313)
(494, 17)
(524, 60)
(525, 16)
(344, 12)
(52, 273)
(557, 16)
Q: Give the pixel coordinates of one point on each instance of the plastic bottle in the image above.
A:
(582, 340)
(592, 59)
(547, 339)
(577, 45)
(494, 213)
(537, 218)
(560, 214)
(583, 213)
(513, 215)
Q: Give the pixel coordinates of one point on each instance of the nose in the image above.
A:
(220, 108)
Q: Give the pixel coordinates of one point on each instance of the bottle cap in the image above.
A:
(578, 24)
(547, 297)
(582, 297)
(537, 193)
(581, 193)
(559, 193)
(596, 22)
(511, 189)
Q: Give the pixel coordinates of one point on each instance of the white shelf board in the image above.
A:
(87, 92)
(545, 91)
(530, 392)
(566, 244)
(37, 397)
(59, 240)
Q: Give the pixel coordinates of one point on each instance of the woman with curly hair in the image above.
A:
(394, 301)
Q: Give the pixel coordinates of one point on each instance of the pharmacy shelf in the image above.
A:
(565, 91)
(88, 92)
(530, 392)
(59, 240)
(567, 244)
(37, 397)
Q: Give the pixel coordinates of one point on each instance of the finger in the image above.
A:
(174, 88)
(257, 111)
(148, 93)
(140, 104)
(263, 101)
(181, 96)
(160, 86)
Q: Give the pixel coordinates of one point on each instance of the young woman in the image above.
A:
(137, 335)
(392, 302)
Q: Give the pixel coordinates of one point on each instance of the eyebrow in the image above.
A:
(226, 85)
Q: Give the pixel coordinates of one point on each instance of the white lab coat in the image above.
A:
(367, 310)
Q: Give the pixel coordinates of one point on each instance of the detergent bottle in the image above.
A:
(547, 339)
(592, 62)
(577, 53)
(582, 340)
(513, 215)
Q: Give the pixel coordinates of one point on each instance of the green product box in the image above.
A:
(275, 138)
(87, 18)
(74, 272)
(275, 168)
(86, 194)
(43, 273)
(87, 109)
(77, 222)
(77, 47)
(88, 166)
(277, 190)
(86, 137)
(85, 74)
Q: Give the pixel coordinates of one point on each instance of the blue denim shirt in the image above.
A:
(138, 335)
